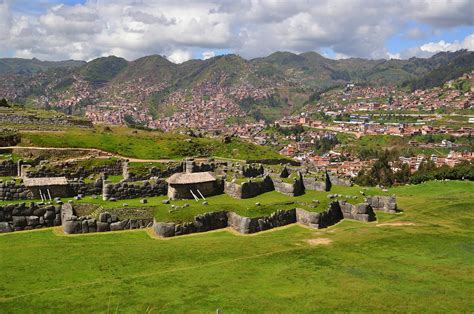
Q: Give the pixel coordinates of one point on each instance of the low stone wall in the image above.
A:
(77, 187)
(16, 217)
(201, 223)
(71, 170)
(125, 190)
(154, 172)
(361, 212)
(10, 191)
(339, 181)
(248, 225)
(8, 168)
(106, 222)
(291, 189)
(248, 189)
(384, 203)
(311, 183)
(320, 220)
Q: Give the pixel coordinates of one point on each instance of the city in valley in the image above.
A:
(246, 156)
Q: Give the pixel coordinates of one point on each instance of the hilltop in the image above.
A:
(263, 88)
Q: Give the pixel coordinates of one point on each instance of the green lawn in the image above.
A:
(147, 144)
(426, 267)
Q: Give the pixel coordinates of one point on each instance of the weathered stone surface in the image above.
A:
(384, 203)
(5, 227)
(103, 226)
(164, 229)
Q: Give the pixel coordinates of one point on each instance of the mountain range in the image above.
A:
(154, 77)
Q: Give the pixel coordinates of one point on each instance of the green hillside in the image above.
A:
(148, 145)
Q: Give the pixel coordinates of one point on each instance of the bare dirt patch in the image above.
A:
(319, 241)
(397, 224)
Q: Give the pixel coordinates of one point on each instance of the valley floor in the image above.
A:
(418, 260)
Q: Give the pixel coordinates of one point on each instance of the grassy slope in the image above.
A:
(426, 267)
(147, 145)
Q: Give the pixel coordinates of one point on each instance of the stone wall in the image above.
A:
(9, 137)
(361, 212)
(248, 189)
(384, 203)
(106, 222)
(8, 168)
(11, 190)
(73, 170)
(77, 187)
(339, 181)
(291, 189)
(125, 190)
(201, 223)
(248, 225)
(311, 183)
(336, 212)
(16, 217)
(153, 172)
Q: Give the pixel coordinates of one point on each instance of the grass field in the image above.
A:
(424, 267)
(147, 144)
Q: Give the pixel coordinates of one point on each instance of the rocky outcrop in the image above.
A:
(384, 203)
(17, 217)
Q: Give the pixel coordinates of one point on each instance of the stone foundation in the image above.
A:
(17, 217)
(384, 203)
(248, 189)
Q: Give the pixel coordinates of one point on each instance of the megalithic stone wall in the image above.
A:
(17, 217)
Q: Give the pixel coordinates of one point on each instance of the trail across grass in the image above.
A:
(422, 267)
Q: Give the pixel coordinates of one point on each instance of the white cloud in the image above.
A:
(431, 48)
(208, 54)
(180, 56)
(251, 28)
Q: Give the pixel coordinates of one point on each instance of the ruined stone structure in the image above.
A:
(16, 217)
(125, 190)
(8, 168)
(291, 189)
(216, 220)
(106, 222)
(191, 185)
(12, 190)
(384, 203)
(72, 170)
(249, 189)
(47, 188)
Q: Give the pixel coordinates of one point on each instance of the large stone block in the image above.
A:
(164, 229)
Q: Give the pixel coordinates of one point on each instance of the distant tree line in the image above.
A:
(382, 174)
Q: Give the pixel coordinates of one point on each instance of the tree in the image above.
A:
(4, 103)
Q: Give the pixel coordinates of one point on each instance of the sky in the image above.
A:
(185, 29)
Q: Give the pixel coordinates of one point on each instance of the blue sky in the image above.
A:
(78, 29)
